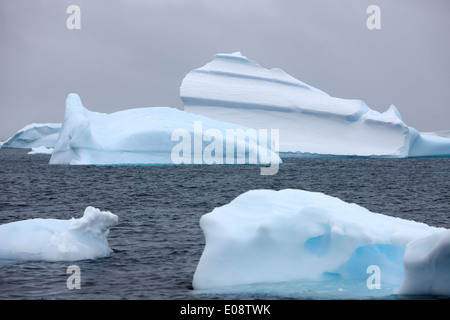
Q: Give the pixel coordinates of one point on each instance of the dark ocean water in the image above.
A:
(158, 242)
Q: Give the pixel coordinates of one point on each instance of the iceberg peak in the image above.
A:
(74, 104)
(94, 222)
(393, 110)
(73, 99)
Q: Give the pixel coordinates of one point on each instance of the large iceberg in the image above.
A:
(58, 240)
(155, 135)
(34, 136)
(235, 89)
(308, 238)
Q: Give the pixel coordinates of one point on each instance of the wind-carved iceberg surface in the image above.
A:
(36, 135)
(58, 240)
(155, 135)
(235, 89)
(308, 239)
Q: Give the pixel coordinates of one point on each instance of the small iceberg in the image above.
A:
(58, 240)
(41, 150)
(33, 136)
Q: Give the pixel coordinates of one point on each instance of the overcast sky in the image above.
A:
(135, 53)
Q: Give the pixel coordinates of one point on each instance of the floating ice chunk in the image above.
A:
(34, 135)
(266, 236)
(41, 150)
(58, 240)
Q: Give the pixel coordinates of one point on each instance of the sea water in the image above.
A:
(158, 242)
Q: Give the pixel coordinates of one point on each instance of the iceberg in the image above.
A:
(234, 89)
(427, 266)
(309, 238)
(445, 133)
(41, 150)
(58, 240)
(33, 136)
(154, 135)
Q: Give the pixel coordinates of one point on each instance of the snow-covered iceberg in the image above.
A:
(235, 89)
(58, 240)
(308, 238)
(154, 135)
(33, 136)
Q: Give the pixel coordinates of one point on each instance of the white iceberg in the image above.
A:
(427, 266)
(444, 134)
(235, 89)
(155, 135)
(295, 236)
(41, 150)
(58, 240)
(33, 136)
